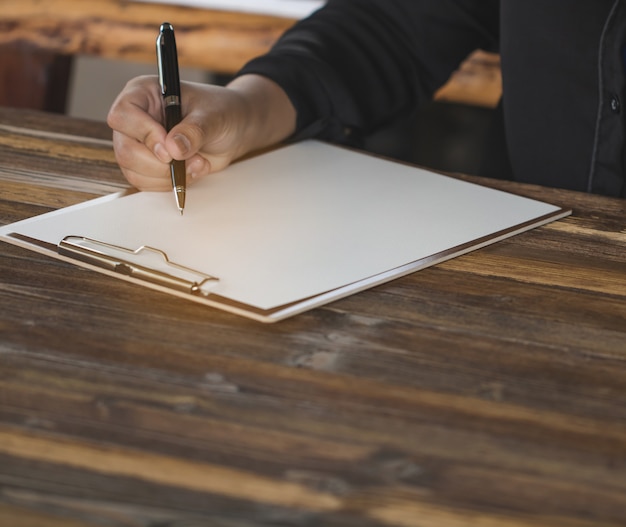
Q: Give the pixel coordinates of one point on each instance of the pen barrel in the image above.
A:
(178, 174)
(173, 115)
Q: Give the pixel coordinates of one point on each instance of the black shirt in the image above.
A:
(356, 65)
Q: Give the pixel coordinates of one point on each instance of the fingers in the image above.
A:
(145, 172)
(137, 113)
(197, 167)
(139, 136)
(208, 134)
(206, 137)
(139, 165)
(187, 141)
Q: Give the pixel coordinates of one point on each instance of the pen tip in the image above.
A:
(179, 194)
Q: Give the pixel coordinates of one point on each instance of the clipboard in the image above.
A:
(284, 231)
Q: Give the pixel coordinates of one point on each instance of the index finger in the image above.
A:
(137, 113)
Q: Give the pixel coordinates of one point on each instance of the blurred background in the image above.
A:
(74, 57)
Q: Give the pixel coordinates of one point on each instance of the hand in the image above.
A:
(219, 125)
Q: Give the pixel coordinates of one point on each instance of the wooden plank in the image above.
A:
(218, 41)
(478, 81)
(489, 390)
(22, 517)
(33, 77)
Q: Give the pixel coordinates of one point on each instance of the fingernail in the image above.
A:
(195, 167)
(161, 153)
(183, 143)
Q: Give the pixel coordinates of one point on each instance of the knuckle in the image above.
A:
(124, 153)
(114, 117)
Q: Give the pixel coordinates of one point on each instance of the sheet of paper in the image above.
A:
(284, 8)
(298, 221)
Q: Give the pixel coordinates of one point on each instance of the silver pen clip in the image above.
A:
(159, 45)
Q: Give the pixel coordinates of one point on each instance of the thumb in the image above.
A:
(185, 139)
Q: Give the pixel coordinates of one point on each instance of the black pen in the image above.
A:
(167, 59)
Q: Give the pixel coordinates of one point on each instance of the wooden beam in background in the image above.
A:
(217, 41)
(31, 77)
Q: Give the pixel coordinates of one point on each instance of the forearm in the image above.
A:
(356, 65)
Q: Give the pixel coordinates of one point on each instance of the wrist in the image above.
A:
(268, 115)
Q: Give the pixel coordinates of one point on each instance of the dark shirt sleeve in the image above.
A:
(357, 65)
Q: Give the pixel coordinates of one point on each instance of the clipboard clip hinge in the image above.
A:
(145, 263)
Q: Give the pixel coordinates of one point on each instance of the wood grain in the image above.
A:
(486, 391)
(219, 41)
(477, 82)
(44, 72)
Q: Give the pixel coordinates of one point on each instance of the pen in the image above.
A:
(167, 59)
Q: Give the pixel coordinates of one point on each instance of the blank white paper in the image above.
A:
(298, 221)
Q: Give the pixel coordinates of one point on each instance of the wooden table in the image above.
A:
(488, 391)
(38, 39)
